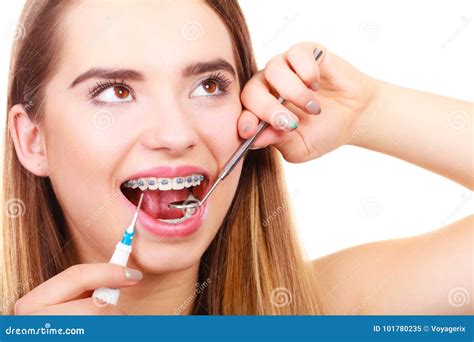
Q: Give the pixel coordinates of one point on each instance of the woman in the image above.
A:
(102, 97)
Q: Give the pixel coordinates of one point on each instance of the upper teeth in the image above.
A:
(163, 184)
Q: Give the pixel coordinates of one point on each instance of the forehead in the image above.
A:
(159, 35)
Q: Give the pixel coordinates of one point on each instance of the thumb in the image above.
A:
(336, 72)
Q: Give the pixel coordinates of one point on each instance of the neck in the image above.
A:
(172, 293)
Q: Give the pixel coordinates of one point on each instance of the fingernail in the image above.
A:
(293, 125)
(285, 121)
(246, 126)
(313, 107)
(258, 148)
(315, 86)
(133, 275)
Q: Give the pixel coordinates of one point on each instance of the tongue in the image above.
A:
(155, 203)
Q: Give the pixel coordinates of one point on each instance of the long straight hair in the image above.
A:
(253, 266)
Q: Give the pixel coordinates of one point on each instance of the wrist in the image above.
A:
(364, 122)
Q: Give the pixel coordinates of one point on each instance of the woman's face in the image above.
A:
(132, 94)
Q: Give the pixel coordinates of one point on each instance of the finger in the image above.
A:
(86, 306)
(247, 124)
(331, 67)
(75, 280)
(287, 83)
(268, 137)
(291, 149)
(301, 59)
(333, 70)
(257, 98)
(272, 136)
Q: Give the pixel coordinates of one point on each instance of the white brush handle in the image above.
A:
(120, 257)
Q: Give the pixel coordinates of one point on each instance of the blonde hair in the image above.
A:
(253, 266)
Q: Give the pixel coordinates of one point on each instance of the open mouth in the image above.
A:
(160, 192)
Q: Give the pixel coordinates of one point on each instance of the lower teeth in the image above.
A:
(188, 213)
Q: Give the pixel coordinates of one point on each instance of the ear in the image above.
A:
(28, 141)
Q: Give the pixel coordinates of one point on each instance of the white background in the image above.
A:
(353, 196)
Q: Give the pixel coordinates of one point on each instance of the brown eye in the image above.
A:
(121, 92)
(210, 86)
(114, 94)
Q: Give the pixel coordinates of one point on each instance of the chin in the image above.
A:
(163, 256)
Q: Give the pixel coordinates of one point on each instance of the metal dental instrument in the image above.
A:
(236, 157)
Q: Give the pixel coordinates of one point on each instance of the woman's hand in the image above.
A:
(324, 100)
(69, 292)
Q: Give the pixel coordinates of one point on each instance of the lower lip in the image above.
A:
(169, 230)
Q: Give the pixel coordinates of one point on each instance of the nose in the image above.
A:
(171, 129)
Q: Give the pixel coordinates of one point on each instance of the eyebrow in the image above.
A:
(198, 68)
(108, 74)
(191, 69)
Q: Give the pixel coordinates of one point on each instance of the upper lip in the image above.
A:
(169, 172)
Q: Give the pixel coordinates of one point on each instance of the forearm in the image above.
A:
(428, 130)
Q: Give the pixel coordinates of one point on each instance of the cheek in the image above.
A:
(86, 141)
(81, 157)
(218, 128)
